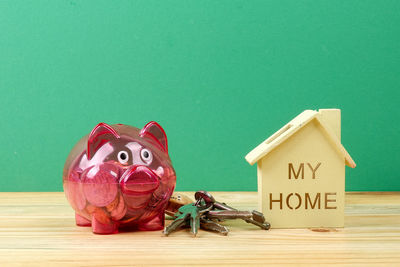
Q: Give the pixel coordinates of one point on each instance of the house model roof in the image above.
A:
(291, 128)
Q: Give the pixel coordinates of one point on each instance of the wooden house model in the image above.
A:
(301, 172)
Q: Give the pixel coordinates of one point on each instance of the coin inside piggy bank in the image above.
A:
(120, 178)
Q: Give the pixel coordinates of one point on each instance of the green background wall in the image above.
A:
(219, 76)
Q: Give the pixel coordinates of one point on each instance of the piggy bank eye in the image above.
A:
(123, 157)
(146, 155)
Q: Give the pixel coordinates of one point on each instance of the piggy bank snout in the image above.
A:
(139, 180)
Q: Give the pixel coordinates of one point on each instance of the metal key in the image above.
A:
(255, 217)
(259, 220)
(179, 221)
(229, 214)
(213, 226)
(188, 215)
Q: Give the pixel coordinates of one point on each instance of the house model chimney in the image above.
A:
(332, 118)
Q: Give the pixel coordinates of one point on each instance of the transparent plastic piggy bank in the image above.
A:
(120, 178)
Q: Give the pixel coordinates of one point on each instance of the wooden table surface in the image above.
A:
(39, 229)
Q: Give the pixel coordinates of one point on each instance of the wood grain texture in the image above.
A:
(39, 229)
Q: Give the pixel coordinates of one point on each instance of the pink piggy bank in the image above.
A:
(120, 177)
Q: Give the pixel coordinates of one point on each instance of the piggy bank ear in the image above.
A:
(100, 135)
(157, 133)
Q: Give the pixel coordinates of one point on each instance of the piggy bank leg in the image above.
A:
(81, 221)
(155, 224)
(103, 228)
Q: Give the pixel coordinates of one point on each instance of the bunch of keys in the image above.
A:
(206, 212)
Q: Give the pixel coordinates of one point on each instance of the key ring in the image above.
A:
(208, 201)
